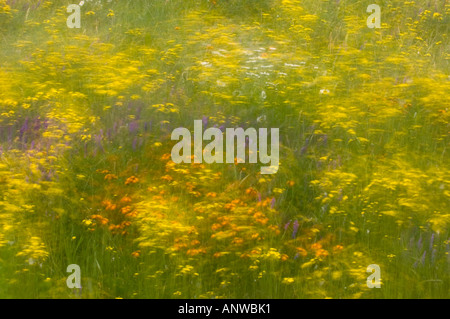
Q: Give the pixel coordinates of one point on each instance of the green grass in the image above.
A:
(85, 172)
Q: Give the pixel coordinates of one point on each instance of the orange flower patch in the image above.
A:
(100, 219)
(301, 251)
(109, 177)
(131, 180)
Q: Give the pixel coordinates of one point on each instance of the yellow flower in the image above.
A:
(87, 222)
(287, 281)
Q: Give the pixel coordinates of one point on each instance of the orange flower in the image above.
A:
(195, 242)
(131, 180)
(251, 191)
(108, 205)
(167, 178)
(237, 241)
(193, 252)
(337, 248)
(301, 251)
(126, 209)
(165, 157)
(102, 220)
(125, 200)
(136, 254)
(321, 253)
(109, 177)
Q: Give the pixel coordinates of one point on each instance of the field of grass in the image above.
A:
(86, 176)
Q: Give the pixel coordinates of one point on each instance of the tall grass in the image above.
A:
(86, 176)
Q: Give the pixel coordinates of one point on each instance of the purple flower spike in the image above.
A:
(287, 225)
(296, 225)
(433, 255)
(422, 260)
(133, 126)
(24, 127)
(272, 203)
(205, 120)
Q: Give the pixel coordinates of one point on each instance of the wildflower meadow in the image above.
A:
(91, 92)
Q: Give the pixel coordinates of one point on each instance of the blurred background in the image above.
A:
(86, 175)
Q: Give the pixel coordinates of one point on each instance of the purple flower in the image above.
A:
(37, 124)
(98, 140)
(422, 260)
(109, 134)
(272, 203)
(133, 126)
(433, 255)
(295, 226)
(431, 241)
(303, 150)
(205, 120)
(287, 225)
(24, 127)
